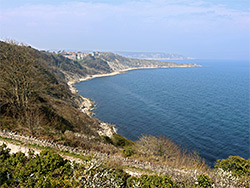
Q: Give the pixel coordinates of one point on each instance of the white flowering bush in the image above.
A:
(94, 174)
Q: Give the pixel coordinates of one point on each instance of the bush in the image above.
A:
(151, 181)
(48, 169)
(120, 141)
(204, 181)
(128, 151)
(107, 140)
(164, 150)
(4, 152)
(236, 165)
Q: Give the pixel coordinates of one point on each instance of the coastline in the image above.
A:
(87, 104)
(71, 81)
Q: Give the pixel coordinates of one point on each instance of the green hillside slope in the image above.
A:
(35, 98)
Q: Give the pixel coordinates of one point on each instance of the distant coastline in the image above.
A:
(74, 81)
(154, 55)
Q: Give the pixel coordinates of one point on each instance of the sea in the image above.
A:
(203, 109)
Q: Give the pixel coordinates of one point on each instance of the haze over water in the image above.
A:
(203, 109)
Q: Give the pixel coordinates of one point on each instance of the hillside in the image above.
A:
(119, 63)
(35, 98)
(107, 62)
(38, 111)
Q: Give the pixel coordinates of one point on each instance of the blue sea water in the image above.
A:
(205, 109)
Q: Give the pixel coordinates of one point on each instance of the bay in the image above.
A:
(203, 109)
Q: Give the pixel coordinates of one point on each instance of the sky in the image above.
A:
(203, 29)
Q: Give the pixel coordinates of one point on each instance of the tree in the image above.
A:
(17, 86)
(158, 146)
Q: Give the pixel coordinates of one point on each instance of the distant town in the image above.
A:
(78, 55)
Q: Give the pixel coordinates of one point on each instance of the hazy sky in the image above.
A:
(214, 29)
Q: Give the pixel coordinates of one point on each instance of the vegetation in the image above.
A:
(151, 181)
(128, 151)
(35, 98)
(48, 169)
(204, 181)
(120, 141)
(96, 64)
(164, 151)
(238, 166)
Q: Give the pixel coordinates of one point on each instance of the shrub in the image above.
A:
(151, 181)
(164, 150)
(128, 151)
(4, 152)
(236, 165)
(69, 135)
(120, 141)
(107, 140)
(204, 181)
(158, 146)
(48, 169)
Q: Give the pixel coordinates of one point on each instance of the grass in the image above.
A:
(11, 140)
(40, 147)
(120, 141)
(75, 155)
(36, 146)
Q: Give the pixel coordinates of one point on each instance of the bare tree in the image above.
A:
(17, 86)
(34, 120)
(158, 146)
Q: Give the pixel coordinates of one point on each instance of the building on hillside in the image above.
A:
(95, 54)
(74, 55)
